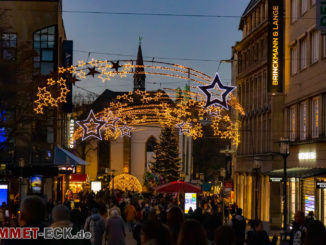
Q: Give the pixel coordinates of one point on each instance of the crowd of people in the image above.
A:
(156, 220)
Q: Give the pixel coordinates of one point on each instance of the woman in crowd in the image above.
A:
(192, 233)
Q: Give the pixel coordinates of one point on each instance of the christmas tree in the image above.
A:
(166, 163)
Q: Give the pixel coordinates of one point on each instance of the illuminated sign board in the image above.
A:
(275, 179)
(96, 186)
(321, 185)
(275, 46)
(71, 132)
(190, 202)
(321, 15)
(307, 155)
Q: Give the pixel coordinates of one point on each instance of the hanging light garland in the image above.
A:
(162, 108)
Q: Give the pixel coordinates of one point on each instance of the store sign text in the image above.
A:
(276, 47)
(307, 156)
(321, 15)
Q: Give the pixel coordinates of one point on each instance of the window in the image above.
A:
(293, 116)
(304, 6)
(303, 53)
(44, 46)
(303, 120)
(294, 10)
(8, 46)
(314, 46)
(324, 46)
(294, 60)
(315, 117)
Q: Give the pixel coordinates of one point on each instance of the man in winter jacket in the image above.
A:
(95, 224)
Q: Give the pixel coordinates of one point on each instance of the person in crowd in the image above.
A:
(258, 236)
(239, 226)
(76, 217)
(212, 222)
(175, 220)
(310, 218)
(130, 214)
(155, 233)
(60, 218)
(95, 224)
(224, 235)
(115, 207)
(316, 234)
(2, 214)
(115, 229)
(192, 233)
(299, 229)
(32, 214)
(103, 210)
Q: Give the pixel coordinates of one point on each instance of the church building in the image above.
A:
(133, 154)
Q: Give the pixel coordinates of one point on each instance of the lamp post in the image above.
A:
(285, 152)
(222, 174)
(256, 168)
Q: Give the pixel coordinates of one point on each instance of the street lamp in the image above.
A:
(285, 152)
(256, 168)
(222, 174)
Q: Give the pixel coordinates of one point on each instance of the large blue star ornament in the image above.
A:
(221, 98)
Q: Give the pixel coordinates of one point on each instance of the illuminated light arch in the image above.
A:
(126, 182)
(138, 108)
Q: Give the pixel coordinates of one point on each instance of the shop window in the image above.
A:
(294, 60)
(314, 46)
(44, 46)
(293, 123)
(294, 10)
(324, 46)
(315, 117)
(150, 147)
(303, 53)
(304, 6)
(303, 120)
(9, 46)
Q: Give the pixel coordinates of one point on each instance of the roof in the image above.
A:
(250, 6)
(64, 157)
(298, 172)
(104, 99)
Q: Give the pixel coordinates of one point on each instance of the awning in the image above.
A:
(77, 178)
(66, 158)
(297, 172)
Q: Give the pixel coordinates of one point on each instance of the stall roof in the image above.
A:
(297, 172)
(64, 157)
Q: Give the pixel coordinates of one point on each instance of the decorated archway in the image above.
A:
(208, 100)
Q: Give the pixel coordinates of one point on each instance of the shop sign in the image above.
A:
(275, 46)
(228, 185)
(321, 185)
(275, 179)
(321, 15)
(66, 170)
(307, 155)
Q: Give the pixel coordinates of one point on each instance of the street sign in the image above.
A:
(321, 16)
(321, 185)
(275, 179)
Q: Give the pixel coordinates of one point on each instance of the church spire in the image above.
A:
(139, 76)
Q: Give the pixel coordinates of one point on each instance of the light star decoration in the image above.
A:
(125, 130)
(91, 127)
(222, 101)
(184, 128)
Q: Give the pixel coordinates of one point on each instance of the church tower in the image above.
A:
(139, 76)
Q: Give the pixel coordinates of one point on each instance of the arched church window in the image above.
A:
(150, 144)
(44, 45)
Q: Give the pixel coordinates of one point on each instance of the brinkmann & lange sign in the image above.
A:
(275, 46)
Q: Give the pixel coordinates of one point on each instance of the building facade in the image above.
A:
(305, 114)
(261, 127)
(31, 49)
